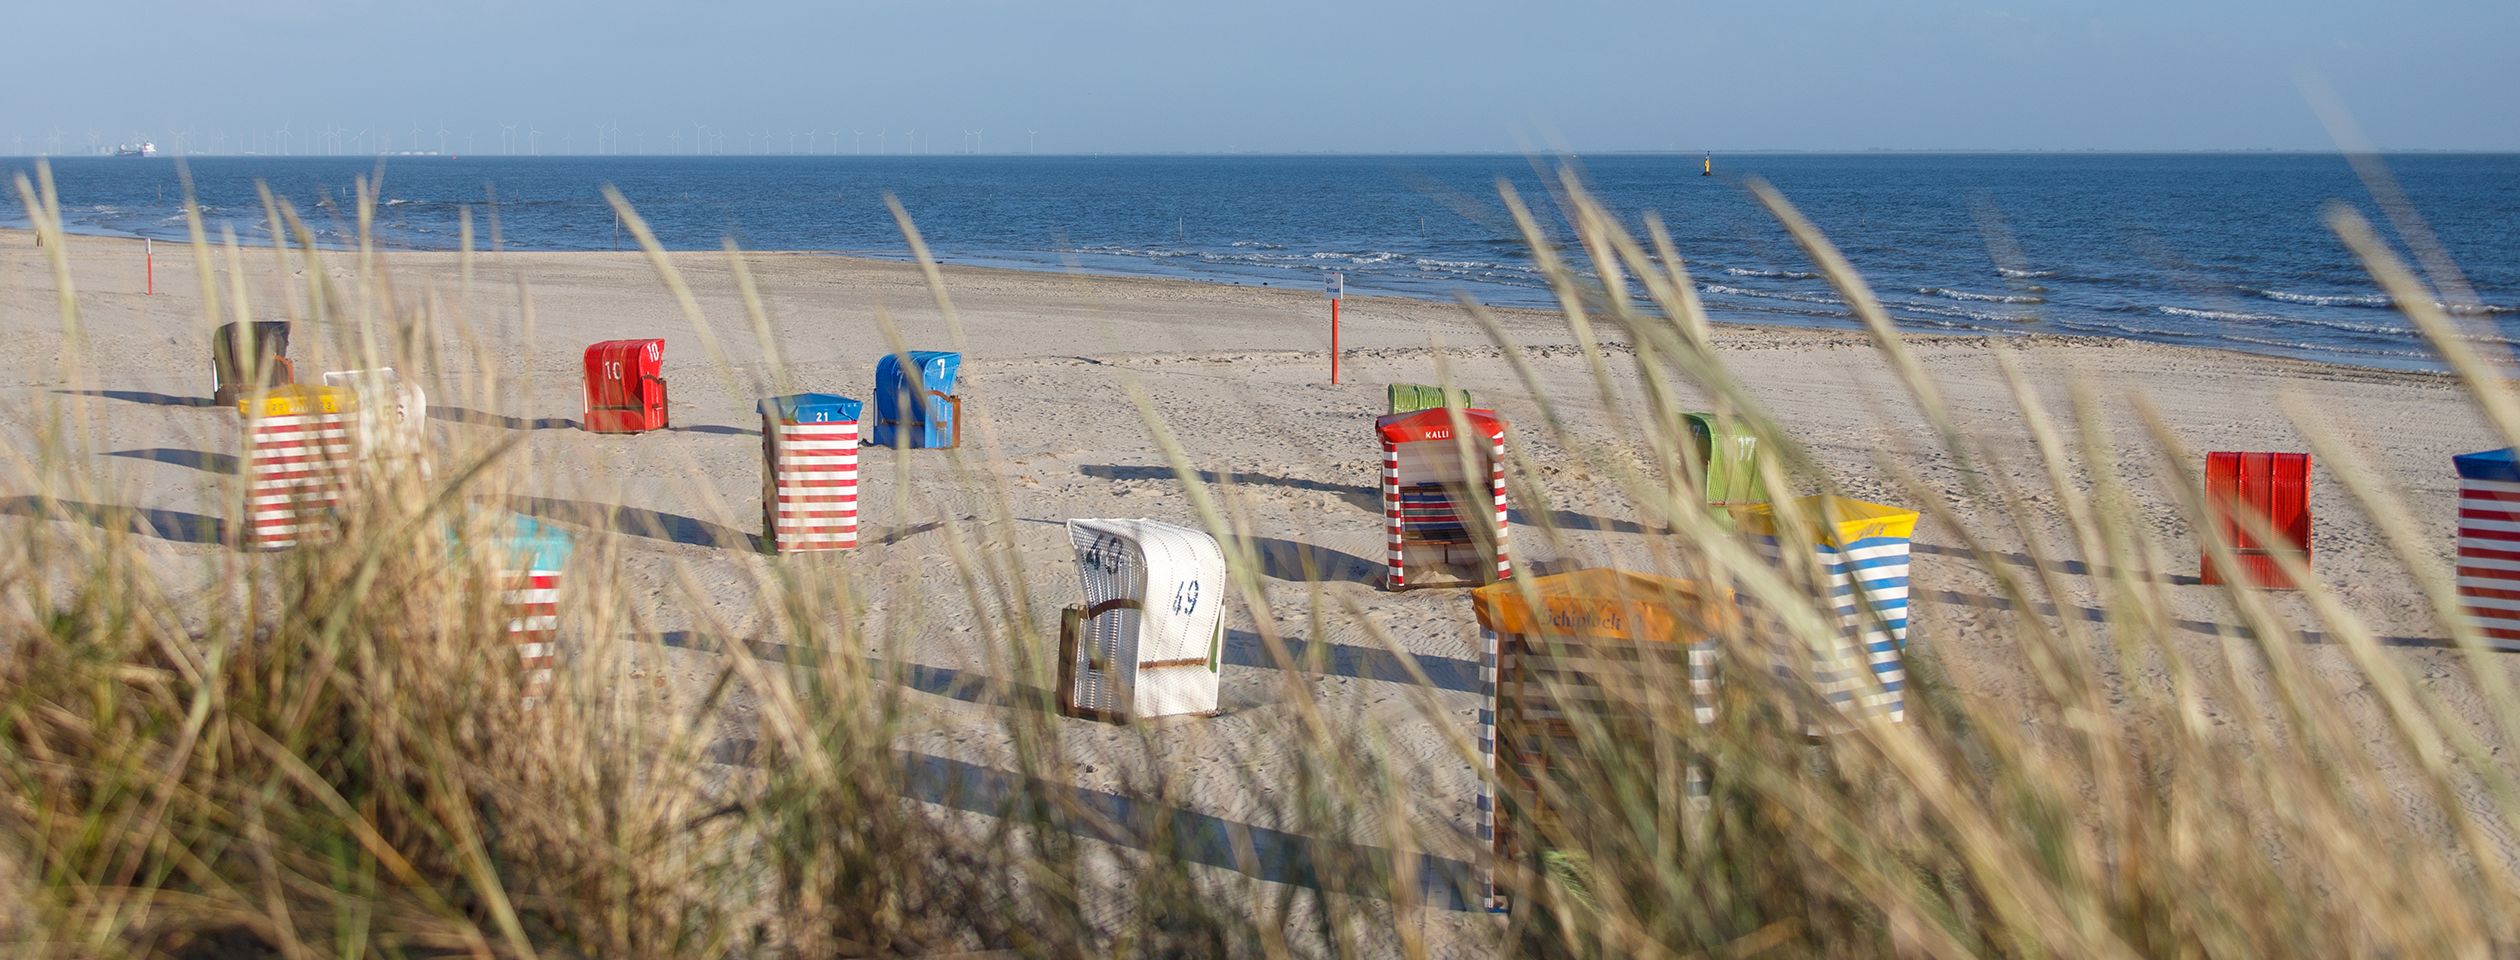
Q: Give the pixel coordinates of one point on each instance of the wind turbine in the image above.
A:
(1029, 135)
(441, 136)
(976, 142)
(857, 142)
(812, 137)
(599, 138)
(912, 135)
(883, 141)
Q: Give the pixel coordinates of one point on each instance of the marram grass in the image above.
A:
(320, 756)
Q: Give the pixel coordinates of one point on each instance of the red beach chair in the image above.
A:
(2273, 486)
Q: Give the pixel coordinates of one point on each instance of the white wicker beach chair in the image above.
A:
(1149, 639)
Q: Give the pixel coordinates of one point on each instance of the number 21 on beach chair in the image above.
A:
(809, 465)
(1149, 639)
(2489, 544)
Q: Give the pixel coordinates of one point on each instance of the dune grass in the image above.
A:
(325, 754)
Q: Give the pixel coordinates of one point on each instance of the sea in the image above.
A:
(2215, 250)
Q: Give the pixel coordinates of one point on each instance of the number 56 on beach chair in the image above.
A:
(1149, 639)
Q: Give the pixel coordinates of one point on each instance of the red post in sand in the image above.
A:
(149, 254)
(1333, 286)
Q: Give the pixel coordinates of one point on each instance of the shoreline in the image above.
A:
(1162, 285)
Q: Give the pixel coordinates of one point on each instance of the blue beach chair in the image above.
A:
(918, 410)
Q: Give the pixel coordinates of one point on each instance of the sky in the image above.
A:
(1193, 76)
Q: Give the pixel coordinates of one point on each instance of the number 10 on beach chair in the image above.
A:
(1571, 663)
(2489, 544)
(1444, 512)
(1149, 639)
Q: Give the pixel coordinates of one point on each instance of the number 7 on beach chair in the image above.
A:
(917, 407)
(1149, 639)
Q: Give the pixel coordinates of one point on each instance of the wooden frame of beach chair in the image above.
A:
(1858, 555)
(1597, 649)
(298, 452)
(1433, 515)
(249, 355)
(2276, 488)
(809, 472)
(2489, 544)
(1149, 639)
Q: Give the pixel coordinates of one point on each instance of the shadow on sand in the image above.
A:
(198, 460)
(638, 522)
(144, 396)
(1263, 853)
(478, 418)
(1363, 496)
(170, 525)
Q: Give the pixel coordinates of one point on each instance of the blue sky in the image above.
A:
(1298, 75)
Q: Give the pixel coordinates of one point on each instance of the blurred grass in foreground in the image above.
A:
(326, 756)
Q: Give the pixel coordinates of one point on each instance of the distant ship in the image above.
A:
(142, 149)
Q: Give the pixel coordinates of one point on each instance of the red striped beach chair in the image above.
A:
(1444, 519)
(809, 452)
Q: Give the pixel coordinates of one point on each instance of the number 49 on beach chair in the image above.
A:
(1149, 639)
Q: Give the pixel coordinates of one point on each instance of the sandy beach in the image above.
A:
(1240, 376)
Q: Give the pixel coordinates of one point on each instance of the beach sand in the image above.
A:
(1240, 375)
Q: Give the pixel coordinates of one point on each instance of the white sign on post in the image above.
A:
(1334, 285)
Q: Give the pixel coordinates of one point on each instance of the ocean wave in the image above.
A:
(1257, 245)
(1980, 297)
(2325, 300)
(2017, 273)
(1727, 290)
(1939, 310)
(1772, 274)
(2223, 316)
(1430, 263)
(2327, 348)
